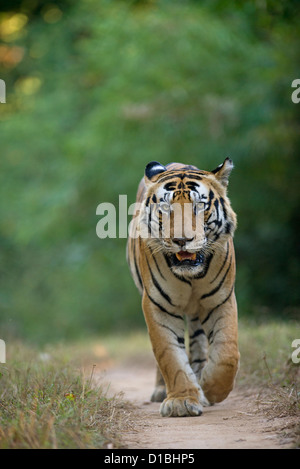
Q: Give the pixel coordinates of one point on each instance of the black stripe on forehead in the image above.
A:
(181, 176)
(170, 186)
(194, 176)
(188, 185)
(192, 185)
(170, 176)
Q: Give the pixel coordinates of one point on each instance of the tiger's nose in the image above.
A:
(182, 241)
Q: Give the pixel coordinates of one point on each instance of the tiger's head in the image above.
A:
(186, 213)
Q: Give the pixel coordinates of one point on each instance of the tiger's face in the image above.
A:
(187, 214)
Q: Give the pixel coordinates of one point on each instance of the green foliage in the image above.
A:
(102, 89)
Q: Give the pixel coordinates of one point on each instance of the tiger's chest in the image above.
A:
(177, 294)
(170, 291)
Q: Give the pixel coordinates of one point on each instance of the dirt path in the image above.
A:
(235, 423)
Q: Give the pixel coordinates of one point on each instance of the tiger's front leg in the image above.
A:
(167, 337)
(218, 376)
(159, 393)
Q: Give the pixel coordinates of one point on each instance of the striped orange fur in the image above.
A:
(187, 280)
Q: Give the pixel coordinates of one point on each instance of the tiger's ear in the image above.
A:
(223, 171)
(153, 169)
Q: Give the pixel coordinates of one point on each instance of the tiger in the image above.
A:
(184, 268)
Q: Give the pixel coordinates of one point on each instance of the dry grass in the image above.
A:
(282, 405)
(266, 366)
(48, 402)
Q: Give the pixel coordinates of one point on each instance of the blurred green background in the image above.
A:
(95, 90)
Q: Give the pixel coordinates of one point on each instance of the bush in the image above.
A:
(95, 92)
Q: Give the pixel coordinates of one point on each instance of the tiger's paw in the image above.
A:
(159, 394)
(180, 407)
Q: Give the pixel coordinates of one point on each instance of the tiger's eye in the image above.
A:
(164, 207)
(199, 206)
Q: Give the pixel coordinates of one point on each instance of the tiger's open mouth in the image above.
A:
(183, 255)
(187, 258)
